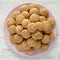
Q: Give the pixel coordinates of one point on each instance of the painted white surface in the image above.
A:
(6, 6)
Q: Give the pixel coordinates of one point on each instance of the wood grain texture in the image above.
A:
(6, 6)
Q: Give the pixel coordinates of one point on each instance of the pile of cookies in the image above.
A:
(31, 29)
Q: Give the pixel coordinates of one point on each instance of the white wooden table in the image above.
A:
(6, 6)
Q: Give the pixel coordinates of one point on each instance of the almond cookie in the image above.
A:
(37, 35)
(31, 42)
(43, 47)
(39, 26)
(26, 14)
(33, 5)
(19, 47)
(12, 38)
(12, 29)
(32, 27)
(45, 39)
(38, 44)
(11, 21)
(34, 18)
(24, 8)
(42, 18)
(18, 38)
(25, 33)
(46, 26)
(51, 21)
(19, 19)
(44, 12)
(48, 32)
(34, 10)
(19, 28)
(30, 51)
(25, 46)
(15, 14)
(52, 36)
(25, 23)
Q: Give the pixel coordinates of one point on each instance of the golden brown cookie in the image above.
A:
(39, 26)
(24, 8)
(48, 32)
(19, 47)
(46, 26)
(38, 44)
(51, 21)
(33, 5)
(31, 42)
(12, 29)
(18, 38)
(26, 14)
(32, 27)
(15, 14)
(19, 19)
(12, 38)
(43, 47)
(25, 46)
(34, 10)
(52, 36)
(30, 51)
(11, 21)
(19, 28)
(45, 39)
(34, 18)
(37, 35)
(44, 12)
(42, 18)
(25, 23)
(25, 33)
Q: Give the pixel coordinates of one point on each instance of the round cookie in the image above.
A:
(30, 51)
(25, 33)
(24, 8)
(25, 23)
(43, 47)
(39, 26)
(33, 5)
(38, 44)
(11, 21)
(52, 36)
(25, 46)
(48, 32)
(31, 42)
(15, 14)
(12, 29)
(19, 19)
(51, 21)
(12, 38)
(34, 10)
(34, 18)
(42, 18)
(19, 28)
(37, 35)
(18, 38)
(26, 14)
(45, 39)
(46, 26)
(32, 27)
(19, 47)
(44, 12)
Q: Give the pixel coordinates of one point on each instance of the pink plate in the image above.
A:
(12, 46)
